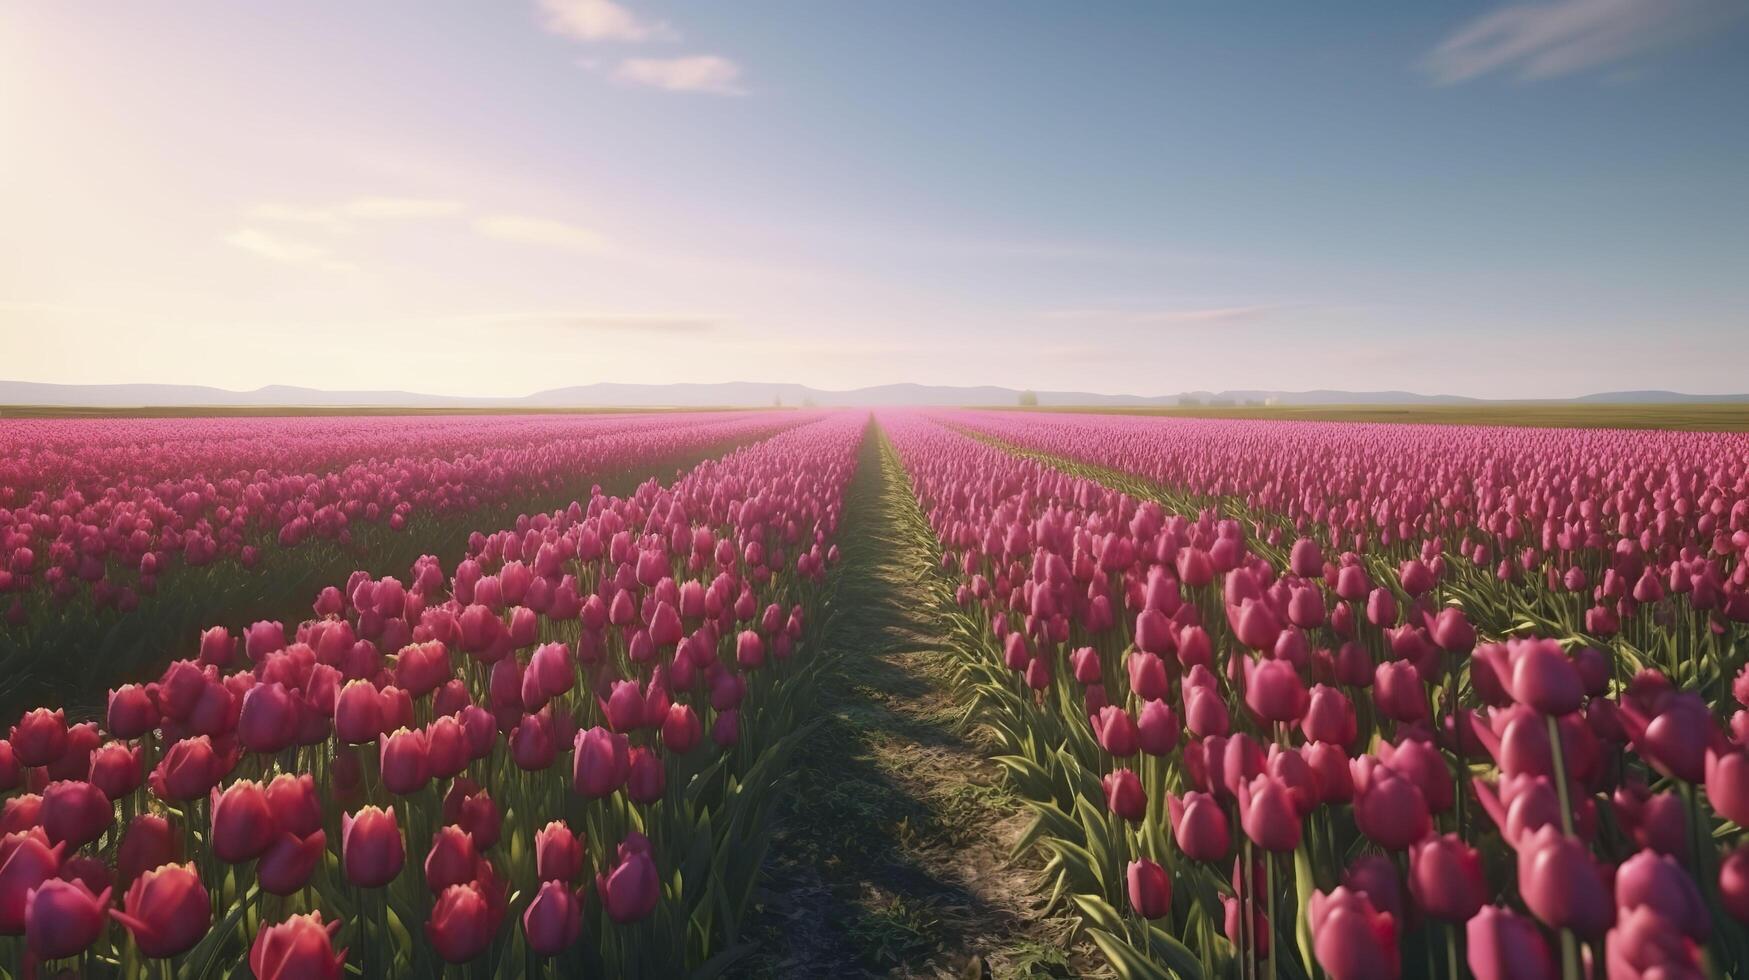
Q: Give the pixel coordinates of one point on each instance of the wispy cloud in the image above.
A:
(600, 20)
(710, 74)
(342, 217)
(286, 250)
(1211, 314)
(1534, 41)
(540, 231)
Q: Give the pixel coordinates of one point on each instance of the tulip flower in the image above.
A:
(558, 853)
(1562, 884)
(1124, 795)
(1506, 946)
(1387, 807)
(74, 812)
(452, 859)
(1445, 876)
(63, 918)
(1351, 939)
(243, 822)
(460, 927)
(285, 867)
(371, 851)
(631, 889)
(1199, 826)
(167, 910)
(1269, 815)
(553, 921)
(300, 948)
(602, 761)
(1116, 732)
(1150, 889)
(26, 861)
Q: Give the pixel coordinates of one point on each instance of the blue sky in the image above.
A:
(1514, 200)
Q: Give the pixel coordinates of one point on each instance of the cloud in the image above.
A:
(1212, 314)
(286, 250)
(341, 217)
(600, 20)
(707, 73)
(594, 322)
(539, 231)
(1534, 41)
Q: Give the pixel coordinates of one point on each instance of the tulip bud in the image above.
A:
(1150, 889)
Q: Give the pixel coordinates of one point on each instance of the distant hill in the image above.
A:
(732, 394)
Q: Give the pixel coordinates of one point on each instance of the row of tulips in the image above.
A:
(1575, 530)
(1254, 757)
(374, 512)
(558, 756)
(102, 507)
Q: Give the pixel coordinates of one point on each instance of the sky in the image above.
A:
(1534, 199)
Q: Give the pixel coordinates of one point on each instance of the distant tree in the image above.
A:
(1253, 403)
(1029, 399)
(1187, 401)
(777, 401)
(808, 401)
(1221, 402)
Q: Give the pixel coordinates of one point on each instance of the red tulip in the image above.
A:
(358, 713)
(403, 765)
(371, 851)
(558, 853)
(631, 889)
(1645, 944)
(479, 816)
(1351, 939)
(645, 776)
(1734, 883)
(26, 861)
(1124, 795)
(300, 948)
(1329, 716)
(1452, 631)
(1268, 814)
(63, 918)
(297, 809)
(1656, 881)
(1562, 884)
(287, 864)
(681, 729)
(1150, 889)
(40, 737)
(269, 720)
(243, 823)
(149, 843)
(553, 921)
(1445, 876)
(601, 762)
(1506, 946)
(451, 861)
(460, 927)
(1274, 690)
(1199, 826)
(1387, 807)
(167, 910)
(75, 813)
(132, 712)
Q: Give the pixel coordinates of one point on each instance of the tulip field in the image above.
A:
(521, 696)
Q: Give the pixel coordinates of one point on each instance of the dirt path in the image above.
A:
(893, 857)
